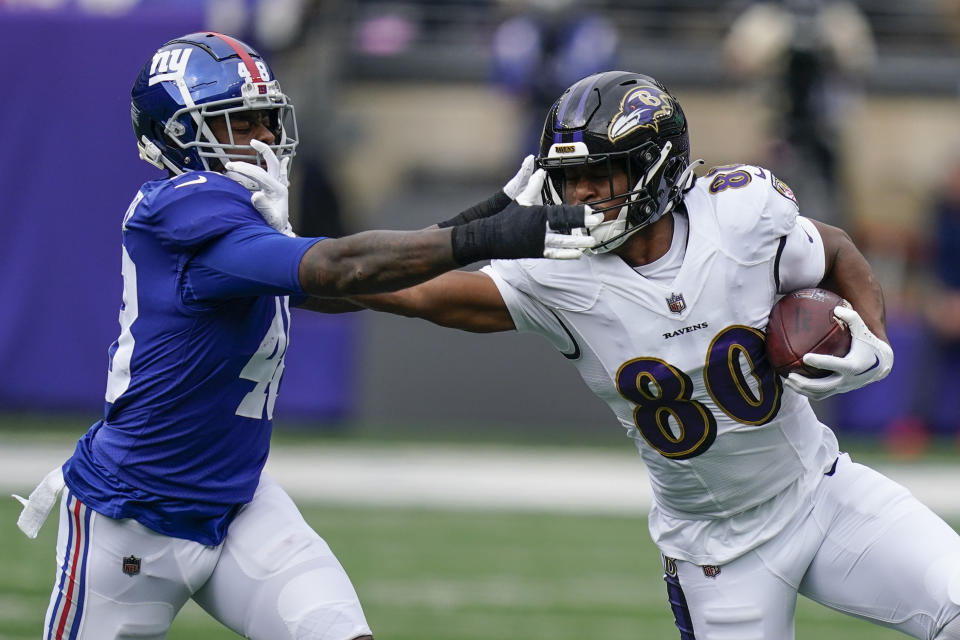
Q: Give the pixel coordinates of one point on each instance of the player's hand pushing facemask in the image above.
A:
(557, 244)
(868, 360)
(269, 187)
(526, 232)
(568, 242)
(527, 228)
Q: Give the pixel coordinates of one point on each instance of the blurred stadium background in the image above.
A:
(408, 112)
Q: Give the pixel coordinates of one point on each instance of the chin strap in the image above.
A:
(204, 132)
(686, 179)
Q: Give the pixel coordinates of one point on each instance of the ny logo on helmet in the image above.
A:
(171, 61)
(644, 106)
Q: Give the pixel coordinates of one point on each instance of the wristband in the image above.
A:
(516, 232)
(491, 206)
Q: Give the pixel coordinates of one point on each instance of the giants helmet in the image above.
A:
(191, 80)
(626, 121)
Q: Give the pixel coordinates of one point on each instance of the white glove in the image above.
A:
(269, 187)
(532, 193)
(869, 359)
(517, 183)
(570, 246)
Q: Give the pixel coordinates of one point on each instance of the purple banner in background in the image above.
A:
(68, 170)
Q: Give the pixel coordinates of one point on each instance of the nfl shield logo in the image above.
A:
(711, 571)
(676, 302)
(131, 565)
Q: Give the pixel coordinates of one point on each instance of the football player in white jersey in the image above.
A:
(753, 501)
(163, 499)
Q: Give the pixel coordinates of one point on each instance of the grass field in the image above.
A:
(427, 575)
(435, 575)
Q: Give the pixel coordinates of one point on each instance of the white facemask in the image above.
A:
(606, 231)
(618, 227)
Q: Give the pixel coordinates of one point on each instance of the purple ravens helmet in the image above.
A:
(627, 121)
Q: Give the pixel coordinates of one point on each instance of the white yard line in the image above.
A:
(554, 480)
(469, 477)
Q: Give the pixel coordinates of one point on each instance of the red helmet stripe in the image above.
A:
(244, 56)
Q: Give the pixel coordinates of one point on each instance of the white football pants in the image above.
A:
(272, 578)
(866, 547)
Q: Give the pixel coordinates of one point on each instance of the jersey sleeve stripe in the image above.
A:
(776, 262)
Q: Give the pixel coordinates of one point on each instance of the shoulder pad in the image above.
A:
(753, 209)
(569, 285)
(195, 207)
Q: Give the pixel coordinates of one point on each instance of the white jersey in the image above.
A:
(731, 453)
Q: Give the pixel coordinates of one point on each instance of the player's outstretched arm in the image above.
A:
(330, 305)
(466, 300)
(378, 261)
(374, 261)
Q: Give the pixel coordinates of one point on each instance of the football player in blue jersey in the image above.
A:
(753, 502)
(164, 499)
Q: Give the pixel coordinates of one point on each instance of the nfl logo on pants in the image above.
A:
(131, 565)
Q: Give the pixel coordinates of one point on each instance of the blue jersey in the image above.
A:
(194, 375)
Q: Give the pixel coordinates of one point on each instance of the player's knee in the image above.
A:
(321, 604)
(950, 566)
(951, 631)
(328, 623)
(315, 614)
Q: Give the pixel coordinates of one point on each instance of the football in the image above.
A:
(802, 322)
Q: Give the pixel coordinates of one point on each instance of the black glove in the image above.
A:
(523, 232)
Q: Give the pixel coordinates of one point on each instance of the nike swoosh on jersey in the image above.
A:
(875, 364)
(576, 347)
(809, 237)
(201, 180)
